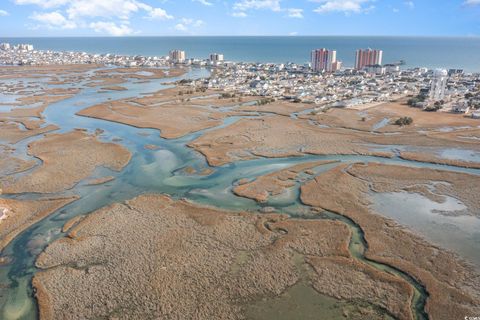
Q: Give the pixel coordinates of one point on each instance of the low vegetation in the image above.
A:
(403, 121)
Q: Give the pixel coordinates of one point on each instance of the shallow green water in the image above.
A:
(157, 171)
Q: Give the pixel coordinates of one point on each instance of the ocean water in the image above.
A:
(431, 52)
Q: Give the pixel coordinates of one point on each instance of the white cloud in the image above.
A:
(186, 24)
(43, 3)
(105, 8)
(241, 7)
(292, 34)
(109, 16)
(239, 14)
(472, 2)
(53, 20)
(295, 13)
(159, 13)
(245, 5)
(410, 4)
(204, 2)
(180, 27)
(3, 13)
(111, 28)
(343, 6)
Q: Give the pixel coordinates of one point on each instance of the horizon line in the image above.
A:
(245, 36)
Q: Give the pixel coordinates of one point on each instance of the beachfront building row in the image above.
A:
(324, 60)
(20, 47)
(368, 58)
(216, 57)
(177, 56)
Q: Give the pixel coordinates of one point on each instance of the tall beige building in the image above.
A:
(368, 57)
(177, 56)
(324, 60)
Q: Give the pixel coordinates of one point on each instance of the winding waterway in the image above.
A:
(160, 171)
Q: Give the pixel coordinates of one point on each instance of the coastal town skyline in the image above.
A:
(242, 17)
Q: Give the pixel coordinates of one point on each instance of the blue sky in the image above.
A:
(239, 17)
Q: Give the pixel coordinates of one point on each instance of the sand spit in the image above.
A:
(114, 88)
(98, 181)
(276, 136)
(180, 261)
(452, 284)
(276, 183)
(67, 159)
(21, 214)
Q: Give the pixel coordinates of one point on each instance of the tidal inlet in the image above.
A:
(142, 187)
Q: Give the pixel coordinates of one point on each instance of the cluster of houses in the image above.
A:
(432, 90)
(349, 87)
(26, 55)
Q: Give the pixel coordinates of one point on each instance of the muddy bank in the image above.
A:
(433, 158)
(276, 183)
(66, 159)
(12, 132)
(153, 257)
(451, 283)
(10, 164)
(18, 215)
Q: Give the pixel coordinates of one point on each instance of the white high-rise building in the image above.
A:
(325, 60)
(439, 84)
(177, 56)
(24, 47)
(5, 46)
(216, 57)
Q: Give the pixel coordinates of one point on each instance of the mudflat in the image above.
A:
(153, 257)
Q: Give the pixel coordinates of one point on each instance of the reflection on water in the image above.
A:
(460, 233)
(460, 154)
